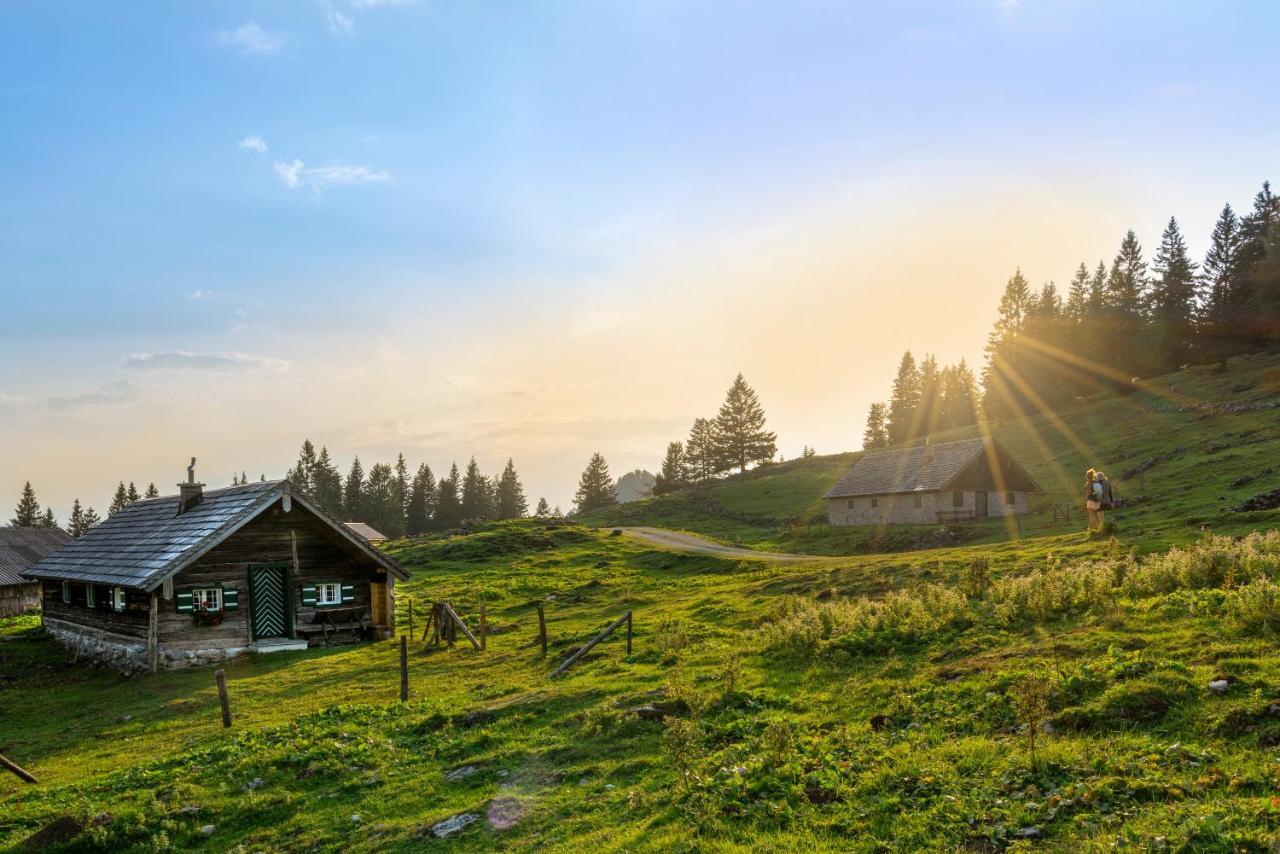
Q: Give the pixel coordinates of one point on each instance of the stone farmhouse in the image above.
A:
(20, 549)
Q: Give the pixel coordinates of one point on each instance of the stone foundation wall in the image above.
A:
(129, 655)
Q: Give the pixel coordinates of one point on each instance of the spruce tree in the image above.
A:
(475, 498)
(402, 485)
(75, 522)
(1077, 302)
(672, 474)
(353, 492)
(700, 451)
(302, 475)
(903, 416)
(1259, 270)
(448, 505)
(1127, 297)
(511, 501)
(151, 492)
(1173, 299)
(422, 502)
(47, 520)
(930, 379)
(27, 513)
(133, 493)
(380, 505)
(91, 518)
(741, 437)
(543, 510)
(326, 481)
(595, 488)
(959, 397)
(1002, 376)
(876, 436)
(119, 501)
(1224, 309)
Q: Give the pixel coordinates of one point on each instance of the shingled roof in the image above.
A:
(148, 541)
(924, 468)
(21, 548)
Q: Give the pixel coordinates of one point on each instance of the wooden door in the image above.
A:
(269, 601)
(980, 504)
(378, 599)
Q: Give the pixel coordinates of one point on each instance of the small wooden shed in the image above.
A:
(20, 549)
(202, 576)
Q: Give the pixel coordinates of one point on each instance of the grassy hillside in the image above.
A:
(858, 703)
(1183, 452)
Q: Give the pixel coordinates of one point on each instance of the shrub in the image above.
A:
(1255, 607)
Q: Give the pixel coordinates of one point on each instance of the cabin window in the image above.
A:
(957, 499)
(117, 598)
(329, 593)
(849, 503)
(875, 502)
(66, 592)
(207, 598)
(1008, 499)
(919, 501)
(89, 598)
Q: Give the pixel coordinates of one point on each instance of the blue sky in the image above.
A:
(538, 229)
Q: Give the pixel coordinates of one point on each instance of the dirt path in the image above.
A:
(681, 542)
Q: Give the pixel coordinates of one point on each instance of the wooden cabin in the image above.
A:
(20, 549)
(930, 484)
(202, 576)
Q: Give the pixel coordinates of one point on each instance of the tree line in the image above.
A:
(27, 512)
(398, 503)
(1116, 323)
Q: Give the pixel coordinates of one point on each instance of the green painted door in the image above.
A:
(269, 601)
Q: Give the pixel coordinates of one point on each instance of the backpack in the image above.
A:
(1107, 502)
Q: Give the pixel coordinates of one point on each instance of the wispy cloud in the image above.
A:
(251, 38)
(296, 173)
(117, 392)
(181, 360)
(338, 22)
(204, 293)
(253, 143)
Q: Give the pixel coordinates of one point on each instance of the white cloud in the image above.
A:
(338, 22)
(296, 173)
(253, 143)
(181, 360)
(251, 38)
(203, 293)
(117, 392)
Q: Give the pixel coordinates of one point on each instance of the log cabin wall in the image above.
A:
(130, 623)
(18, 599)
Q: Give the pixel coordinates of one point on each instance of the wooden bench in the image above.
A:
(331, 621)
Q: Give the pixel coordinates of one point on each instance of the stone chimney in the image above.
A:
(190, 493)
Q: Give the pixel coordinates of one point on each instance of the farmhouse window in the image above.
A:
(328, 593)
(919, 501)
(849, 503)
(957, 499)
(117, 598)
(221, 598)
(66, 592)
(875, 502)
(208, 598)
(1008, 499)
(88, 596)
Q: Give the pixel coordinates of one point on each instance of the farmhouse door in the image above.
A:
(980, 504)
(269, 601)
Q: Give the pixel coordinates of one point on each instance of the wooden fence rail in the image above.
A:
(569, 662)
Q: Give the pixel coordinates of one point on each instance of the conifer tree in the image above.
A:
(511, 502)
(302, 475)
(876, 436)
(475, 498)
(91, 518)
(422, 502)
(741, 437)
(381, 507)
(353, 492)
(75, 522)
(595, 488)
(701, 451)
(326, 483)
(47, 520)
(132, 494)
(401, 485)
(1076, 306)
(959, 397)
(151, 492)
(543, 510)
(448, 505)
(1174, 294)
(1224, 309)
(672, 475)
(903, 416)
(1127, 297)
(27, 512)
(930, 379)
(244, 478)
(119, 501)
(1002, 376)
(1259, 269)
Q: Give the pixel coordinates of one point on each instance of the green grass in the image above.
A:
(1203, 463)
(861, 702)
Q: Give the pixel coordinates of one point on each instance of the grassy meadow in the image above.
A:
(874, 701)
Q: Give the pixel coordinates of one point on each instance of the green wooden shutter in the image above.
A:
(308, 594)
(230, 599)
(117, 599)
(88, 595)
(184, 600)
(348, 593)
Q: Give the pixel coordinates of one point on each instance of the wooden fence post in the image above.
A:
(455, 623)
(20, 772)
(484, 629)
(404, 669)
(410, 619)
(220, 677)
(542, 630)
(628, 633)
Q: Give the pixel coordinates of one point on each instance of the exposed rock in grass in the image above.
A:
(1262, 501)
(57, 832)
(209, 829)
(460, 773)
(454, 824)
(1219, 686)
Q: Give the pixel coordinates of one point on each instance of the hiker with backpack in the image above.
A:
(1097, 498)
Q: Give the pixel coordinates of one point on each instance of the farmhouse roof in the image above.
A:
(149, 541)
(926, 468)
(367, 531)
(21, 548)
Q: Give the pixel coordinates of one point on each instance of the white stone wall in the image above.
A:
(902, 509)
(129, 655)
